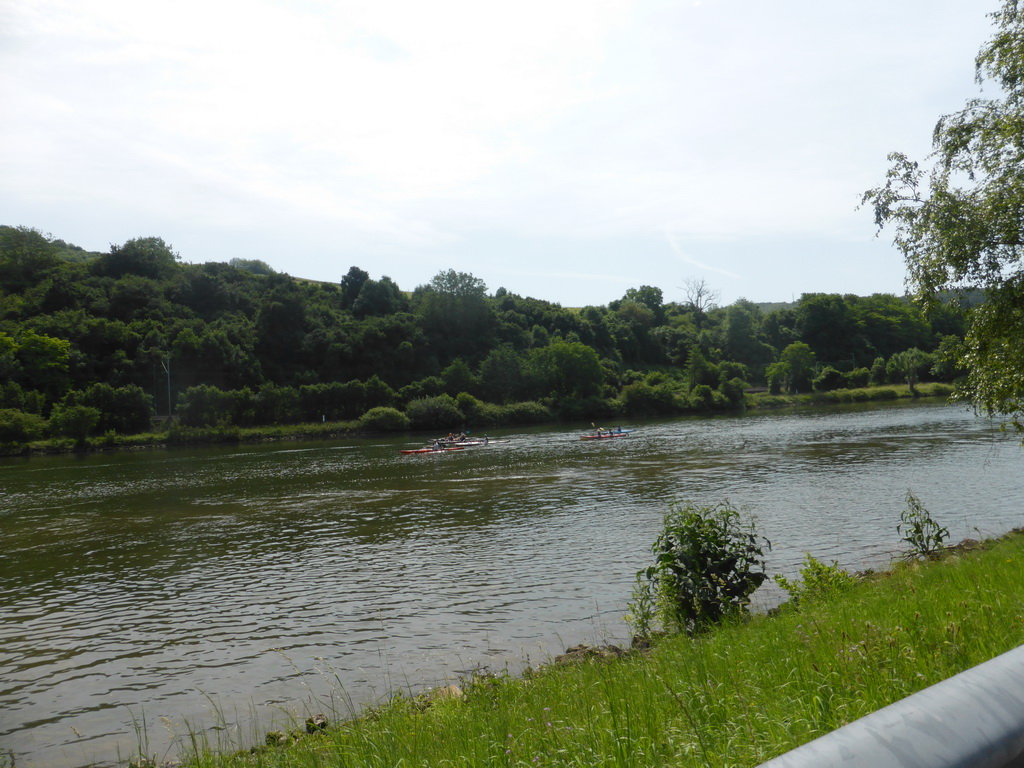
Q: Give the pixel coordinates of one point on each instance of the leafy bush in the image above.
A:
(431, 386)
(126, 409)
(733, 392)
(858, 378)
(384, 419)
(206, 406)
(527, 412)
(702, 398)
(878, 374)
(74, 421)
(708, 562)
(919, 530)
(817, 581)
(19, 427)
(586, 408)
(441, 412)
(643, 398)
(828, 380)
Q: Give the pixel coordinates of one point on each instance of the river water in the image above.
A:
(221, 591)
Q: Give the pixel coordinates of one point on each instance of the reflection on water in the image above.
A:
(154, 586)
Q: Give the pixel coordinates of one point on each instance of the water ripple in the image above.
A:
(163, 582)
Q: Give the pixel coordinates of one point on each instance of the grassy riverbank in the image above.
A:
(862, 395)
(177, 435)
(736, 696)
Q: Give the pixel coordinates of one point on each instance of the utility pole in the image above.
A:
(166, 365)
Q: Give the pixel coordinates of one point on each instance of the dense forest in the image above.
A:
(99, 343)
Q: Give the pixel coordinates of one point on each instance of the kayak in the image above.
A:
(407, 451)
(606, 435)
(472, 443)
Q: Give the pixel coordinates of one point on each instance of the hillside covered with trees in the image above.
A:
(95, 343)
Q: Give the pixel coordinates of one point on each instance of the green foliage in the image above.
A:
(800, 358)
(858, 377)
(732, 391)
(384, 419)
(699, 371)
(919, 530)
(528, 412)
(708, 562)
(778, 376)
(828, 379)
(568, 369)
(908, 366)
(817, 581)
(476, 411)
(19, 427)
(958, 223)
(734, 697)
(206, 406)
(125, 410)
(144, 256)
(878, 372)
(702, 398)
(439, 413)
(458, 377)
(110, 331)
(74, 421)
(948, 359)
(642, 398)
(45, 362)
(25, 254)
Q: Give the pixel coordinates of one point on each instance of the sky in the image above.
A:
(565, 150)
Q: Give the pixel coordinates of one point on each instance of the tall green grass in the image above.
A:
(861, 395)
(735, 696)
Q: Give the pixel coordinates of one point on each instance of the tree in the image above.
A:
(568, 369)
(959, 220)
(74, 421)
(25, 253)
(45, 362)
(145, 256)
(455, 314)
(908, 365)
(650, 297)
(699, 296)
(351, 284)
(800, 359)
(377, 298)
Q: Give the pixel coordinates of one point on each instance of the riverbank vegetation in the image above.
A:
(97, 346)
(955, 216)
(748, 690)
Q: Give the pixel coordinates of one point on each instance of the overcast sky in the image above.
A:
(566, 150)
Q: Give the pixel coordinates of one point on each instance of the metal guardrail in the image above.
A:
(972, 720)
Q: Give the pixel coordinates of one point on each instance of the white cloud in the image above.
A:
(411, 131)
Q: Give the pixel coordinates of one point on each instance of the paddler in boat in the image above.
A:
(437, 445)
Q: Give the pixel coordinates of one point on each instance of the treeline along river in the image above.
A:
(161, 591)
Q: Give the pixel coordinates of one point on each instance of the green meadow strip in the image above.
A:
(734, 696)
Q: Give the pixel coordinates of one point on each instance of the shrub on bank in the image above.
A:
(526, 412)
(441, 412)
(20, 427)
(384, 419)
(641, 398)
(708, 562)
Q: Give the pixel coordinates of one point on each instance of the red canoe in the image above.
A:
(433, 450)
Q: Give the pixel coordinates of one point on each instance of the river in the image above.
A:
(147, 594)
